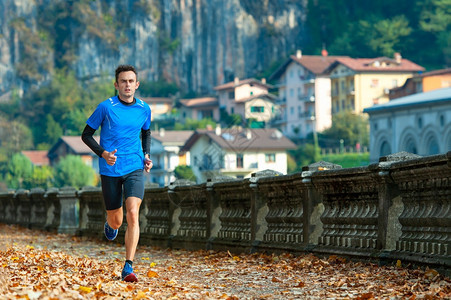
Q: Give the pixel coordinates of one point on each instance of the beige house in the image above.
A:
(237, 152)
(160, 107)
(199, 108)
(248, 98)
(358, 83)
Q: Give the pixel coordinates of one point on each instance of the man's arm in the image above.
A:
(145, 139)
(88, 139)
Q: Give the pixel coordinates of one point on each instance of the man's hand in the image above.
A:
(110, 157)
(147, 164)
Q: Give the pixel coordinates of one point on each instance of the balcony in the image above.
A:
(309, 116)
(307, 98)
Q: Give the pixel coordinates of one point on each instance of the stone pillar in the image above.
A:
(390, 205)
(69, 215)
(23, 208)
(312, 203)
(6, 200)
(38, 209)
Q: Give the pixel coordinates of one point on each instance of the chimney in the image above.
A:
(324, 51)
(398, 58)
(236, 80)
(264, 80)
(161, 132)
(218, 129)
(298, 54)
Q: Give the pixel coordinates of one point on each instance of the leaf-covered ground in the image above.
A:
(40, 265)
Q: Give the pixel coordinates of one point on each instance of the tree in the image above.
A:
(72, 171)
(42, 177)
(159, 88)
(19, 172)
(435, 17)
(14, 137)
(350, 127)
(191, 124)
(387, 34)
(303, 156)
(53, 130)
(184, 172)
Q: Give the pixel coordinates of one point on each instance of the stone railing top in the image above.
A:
(321, 166)
(37, 190)
(181, 182)
(20, 192)
(221, 178)
(399, 156)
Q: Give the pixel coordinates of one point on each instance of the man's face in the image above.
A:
(126, 84)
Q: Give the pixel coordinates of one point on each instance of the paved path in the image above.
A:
(40, 265)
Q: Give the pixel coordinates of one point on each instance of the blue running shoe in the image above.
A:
(127, 273)
(110, 233)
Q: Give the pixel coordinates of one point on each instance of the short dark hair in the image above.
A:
(125, 68)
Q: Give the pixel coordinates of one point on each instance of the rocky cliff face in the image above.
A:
(197, 44)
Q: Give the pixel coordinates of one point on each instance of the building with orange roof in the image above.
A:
(248, 98)
(304, 94)
(358, 83)
(199, 108)
(423, 82)
(37, 157)
(73, 145)
(160, 107)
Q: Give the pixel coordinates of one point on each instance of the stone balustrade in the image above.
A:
(399, 208)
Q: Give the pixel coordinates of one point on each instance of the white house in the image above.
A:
(165, 154)
(304, 94)
(237, 152)
(419, 124)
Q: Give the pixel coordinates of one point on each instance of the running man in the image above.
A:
(123, 157)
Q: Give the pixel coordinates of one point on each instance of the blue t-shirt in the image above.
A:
(121, 127)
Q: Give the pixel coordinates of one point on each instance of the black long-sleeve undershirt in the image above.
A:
(88, 139)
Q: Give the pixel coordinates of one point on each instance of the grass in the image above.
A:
(348, 160)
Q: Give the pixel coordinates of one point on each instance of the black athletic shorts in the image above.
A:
(114, 188)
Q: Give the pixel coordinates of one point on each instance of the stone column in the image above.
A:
(23, 208)
(312, 202)
(69, 215)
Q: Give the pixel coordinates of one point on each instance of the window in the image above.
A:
(239, 160)
(291, 93)
(292, 110)
(232, 95)
(270, 157)
(442, 120)
(257, 109)
(232, 110)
